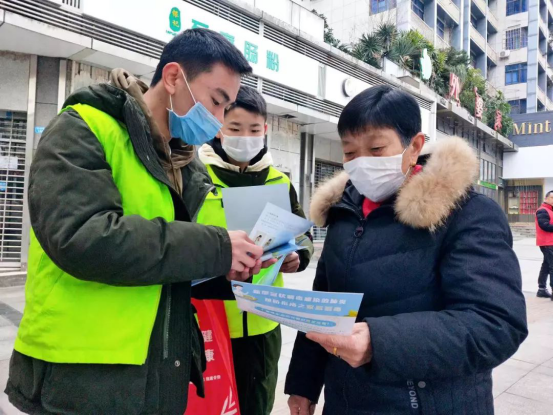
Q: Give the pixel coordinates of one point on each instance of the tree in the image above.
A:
(498, 103)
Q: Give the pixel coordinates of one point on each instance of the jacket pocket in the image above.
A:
(94, 389)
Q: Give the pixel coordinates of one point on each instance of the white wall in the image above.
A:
(328, 150)
(14, 81)
(285, 146)
(528, 163)
(548, 185)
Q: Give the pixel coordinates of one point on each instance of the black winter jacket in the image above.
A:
(442, 294)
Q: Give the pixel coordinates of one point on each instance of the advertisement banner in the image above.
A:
(164, 19)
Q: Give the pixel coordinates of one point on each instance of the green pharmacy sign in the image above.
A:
(175, 20)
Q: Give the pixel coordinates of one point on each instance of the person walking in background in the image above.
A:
(442, 301)
(108, 326)
(241, 158)
(544, 239)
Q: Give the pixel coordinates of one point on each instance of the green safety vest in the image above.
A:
(68, 320)
(212, 213)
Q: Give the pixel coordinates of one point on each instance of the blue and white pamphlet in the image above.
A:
(322, 312)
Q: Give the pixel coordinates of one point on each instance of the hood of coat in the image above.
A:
(427, 199)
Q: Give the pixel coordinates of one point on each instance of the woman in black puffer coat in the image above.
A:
(442, 301)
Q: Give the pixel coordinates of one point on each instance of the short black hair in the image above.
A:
(549, 193)
(382, 107)
(250, 100)
(197, 50)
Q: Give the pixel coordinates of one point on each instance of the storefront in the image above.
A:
(528, 173)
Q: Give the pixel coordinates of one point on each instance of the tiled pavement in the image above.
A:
(522, 386)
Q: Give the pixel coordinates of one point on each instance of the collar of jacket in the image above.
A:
(124, 108)
(209, 156)
(426, 200)
(547, 206)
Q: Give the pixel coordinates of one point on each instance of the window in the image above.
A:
(418, 8)
(441, 28)
(379, 6)
(518, 106)
(515, 74)
(516, 38)
(516, 6)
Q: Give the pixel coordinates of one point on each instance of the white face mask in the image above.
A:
(243, 149)
(376, 178)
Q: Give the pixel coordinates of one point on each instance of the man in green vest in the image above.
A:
(114, 193)
(240, 159)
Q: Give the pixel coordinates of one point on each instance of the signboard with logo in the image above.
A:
(164, 19)
(535, 129)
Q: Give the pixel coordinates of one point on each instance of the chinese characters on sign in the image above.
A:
(454, 87)
(478, 105)
(174, 20)
(250, 52)
(272, 61)
(498, 119)
(210, 355)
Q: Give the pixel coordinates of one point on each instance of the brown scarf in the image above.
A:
(180, 156)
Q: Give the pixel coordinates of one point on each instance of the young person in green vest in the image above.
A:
(240, 158)
(114, 191)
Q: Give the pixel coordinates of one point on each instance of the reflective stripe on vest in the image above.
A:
(212, 213)
(67, 320)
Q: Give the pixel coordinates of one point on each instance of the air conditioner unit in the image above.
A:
(504, 54)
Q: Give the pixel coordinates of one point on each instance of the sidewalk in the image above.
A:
(522, 386)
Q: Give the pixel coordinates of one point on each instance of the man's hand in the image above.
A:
(245, 257)
(301, 406)
(291, 263)
(356, 349)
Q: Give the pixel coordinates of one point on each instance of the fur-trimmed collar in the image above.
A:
(426, 200)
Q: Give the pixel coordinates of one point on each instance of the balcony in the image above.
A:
(441, 43)
(451, 9)
(543, 26)
(549, 105)
(541, 96)
(422, 27)
(542, 59)
(481, 4)
(493, 20)
(492, 54)
(477, 38)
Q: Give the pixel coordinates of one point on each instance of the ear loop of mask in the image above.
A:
(189, 90)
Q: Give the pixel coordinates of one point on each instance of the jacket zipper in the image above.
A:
(167, 321)
(359, 230)
(166, 324)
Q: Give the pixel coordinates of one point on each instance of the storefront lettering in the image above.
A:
(174, 19)
(528, 128)
(498, 121)
(229, 37)
(250, 52)
(478, 105)
(199, 25)
(272, 61)
(454, 87)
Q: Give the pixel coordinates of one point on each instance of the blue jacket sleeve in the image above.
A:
(483, 320)
(544, 221)
(307, 367)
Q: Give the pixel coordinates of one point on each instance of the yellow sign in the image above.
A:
(529, 128)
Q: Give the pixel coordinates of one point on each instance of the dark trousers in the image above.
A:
(546, 267)
(256, 370)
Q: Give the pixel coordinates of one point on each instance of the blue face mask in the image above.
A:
(197, 127)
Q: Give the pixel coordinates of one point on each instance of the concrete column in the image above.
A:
(403, 18)
(533, 50)
(466, 25)
(30, 138)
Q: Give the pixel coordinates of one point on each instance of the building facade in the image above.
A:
(50, 48)
(529, 172)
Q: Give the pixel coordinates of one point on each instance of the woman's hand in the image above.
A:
(291, 263)
(356, 349)
(301, 406)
